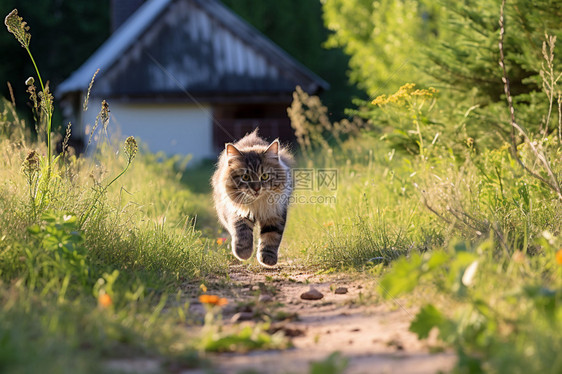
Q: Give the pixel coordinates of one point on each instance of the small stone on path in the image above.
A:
(341, 290)
(242, 316)
(265, 298)
(312, 294)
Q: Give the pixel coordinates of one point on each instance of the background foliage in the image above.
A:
(65, 33)
(432, 199)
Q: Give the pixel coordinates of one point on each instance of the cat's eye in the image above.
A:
(264, 176)
(245, 177)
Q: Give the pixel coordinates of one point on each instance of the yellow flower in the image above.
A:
(403, 93)
(380, 100)
(213, 300)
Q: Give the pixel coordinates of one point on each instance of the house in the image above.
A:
(185, 77)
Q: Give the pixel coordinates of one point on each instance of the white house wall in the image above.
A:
(171, 128)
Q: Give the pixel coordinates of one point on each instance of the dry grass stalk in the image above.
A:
(553, 183)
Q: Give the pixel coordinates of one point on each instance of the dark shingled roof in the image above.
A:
(170, 47)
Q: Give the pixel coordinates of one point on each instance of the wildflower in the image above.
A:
(131, 148)
(18, 27)
(104, 300)
(559, 257)
(518, 257)
(379, 100)
(221, 241)
(213, 300)
(203, 287)
(329, 224)
(403, 93)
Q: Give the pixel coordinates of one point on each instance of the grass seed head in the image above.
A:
(17, 26)
(30, 165)
(32, 91)
(104, 114)
(47, 100)
(130, 148)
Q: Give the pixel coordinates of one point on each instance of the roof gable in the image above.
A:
(175, 46)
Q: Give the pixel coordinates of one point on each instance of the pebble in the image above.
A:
(265, 298)
(312, 294)
(242, 316)
(341, 290)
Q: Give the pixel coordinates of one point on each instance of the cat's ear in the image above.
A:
(232, 151)
(273, 149)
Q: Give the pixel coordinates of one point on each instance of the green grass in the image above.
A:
(375, 216)
(134, 245)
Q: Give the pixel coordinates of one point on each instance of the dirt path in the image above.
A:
(375, 338)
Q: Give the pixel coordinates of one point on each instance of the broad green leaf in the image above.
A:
(333, 364)
(436, 260)
(426, 319)
(403, 277)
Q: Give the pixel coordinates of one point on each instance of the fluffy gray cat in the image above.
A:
(252, 185)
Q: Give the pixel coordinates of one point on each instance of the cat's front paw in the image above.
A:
(242, 251)
(267, 258)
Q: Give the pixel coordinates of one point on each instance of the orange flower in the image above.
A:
(518, 257)
(221, 241)
(104, 300)
(559, 256)
(329, 224)
(213, 300)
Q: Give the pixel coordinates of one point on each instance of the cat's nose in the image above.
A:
(256, 187)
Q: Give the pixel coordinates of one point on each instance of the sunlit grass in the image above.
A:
(374, 215)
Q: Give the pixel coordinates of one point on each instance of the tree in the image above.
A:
(297, 27)
(452, 45)
(383, 38)
(470, 58)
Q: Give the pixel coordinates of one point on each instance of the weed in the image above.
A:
(333, 364)
(217, 338)
(43, 100)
